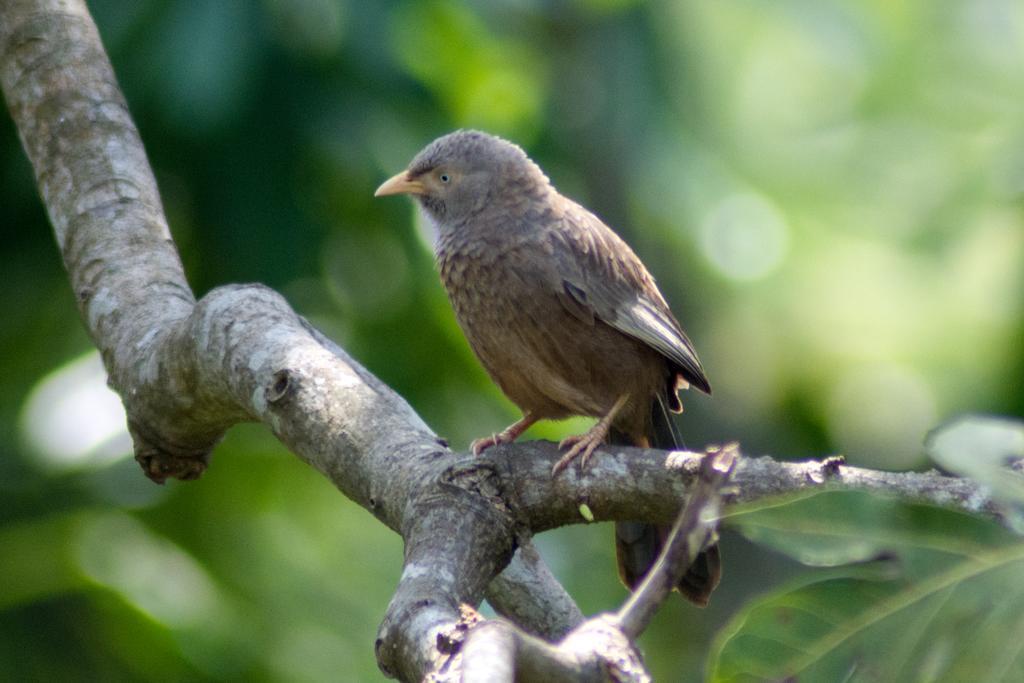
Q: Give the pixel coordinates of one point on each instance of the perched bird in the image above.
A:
(561, 313)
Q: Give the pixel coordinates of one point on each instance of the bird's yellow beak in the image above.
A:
(400, 184)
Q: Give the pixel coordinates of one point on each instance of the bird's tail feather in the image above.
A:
(637, 544)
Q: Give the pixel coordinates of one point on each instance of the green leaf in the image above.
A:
(965, 623)
(954, 611)
(829, 528)
(980, 448)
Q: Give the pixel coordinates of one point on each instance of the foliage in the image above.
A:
(982, 449)
(828, 192)
(941, 602)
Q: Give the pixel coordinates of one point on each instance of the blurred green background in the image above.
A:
(829, 193)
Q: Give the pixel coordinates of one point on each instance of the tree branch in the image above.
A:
(693, 531)
(601, 648)
(650, 483)
(188, 370)
(528, 595)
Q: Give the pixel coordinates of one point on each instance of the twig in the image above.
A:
(693, 530)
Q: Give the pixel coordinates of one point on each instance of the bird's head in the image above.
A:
(459, 175)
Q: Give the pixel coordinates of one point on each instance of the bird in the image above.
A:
(561, 313)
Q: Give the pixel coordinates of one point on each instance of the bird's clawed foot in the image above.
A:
(507, 435)
(480, 445)
(584, 445)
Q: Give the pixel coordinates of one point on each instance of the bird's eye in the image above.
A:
(445, 178)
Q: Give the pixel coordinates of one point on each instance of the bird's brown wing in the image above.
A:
(601, 277)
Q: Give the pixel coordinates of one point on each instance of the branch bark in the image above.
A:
(187, 370)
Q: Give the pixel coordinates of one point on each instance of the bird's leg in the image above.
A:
(583, 445)
(508, 435)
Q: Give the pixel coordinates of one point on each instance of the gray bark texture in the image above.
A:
(187, 370)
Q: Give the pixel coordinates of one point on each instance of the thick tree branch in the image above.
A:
(527, 594)
(496, 652)
(188, 370)
(601, 648)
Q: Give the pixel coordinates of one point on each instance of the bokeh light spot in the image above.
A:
(150, 572)
(744, 236)
(73, 419)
